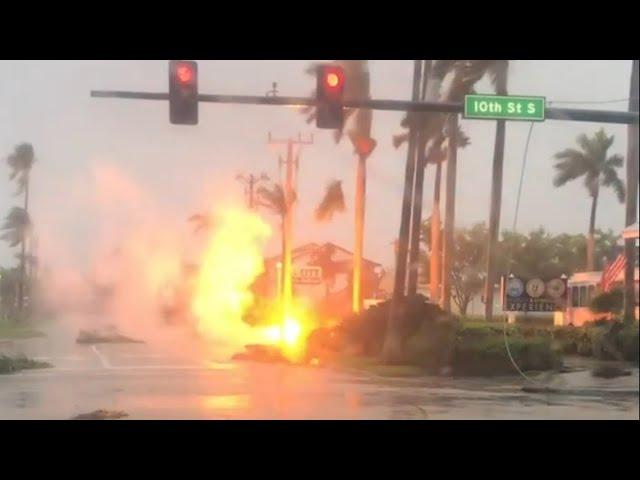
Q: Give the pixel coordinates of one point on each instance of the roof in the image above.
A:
(631, 231)
(308, 248)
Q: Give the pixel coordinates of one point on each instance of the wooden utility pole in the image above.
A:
(290, 198)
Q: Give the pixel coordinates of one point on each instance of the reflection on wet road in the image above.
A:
(150, 383)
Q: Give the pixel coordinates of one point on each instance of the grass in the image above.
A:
(16, 330)
(11, 365)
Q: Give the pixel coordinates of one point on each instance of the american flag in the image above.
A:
(612, 271)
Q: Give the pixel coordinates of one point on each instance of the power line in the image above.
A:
(591, 102)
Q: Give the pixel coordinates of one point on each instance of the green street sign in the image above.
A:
(496, 107)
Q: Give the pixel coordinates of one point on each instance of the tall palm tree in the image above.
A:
(20, 162)
(432, 149)
(497, 71)
(598, 170)
(357, 86)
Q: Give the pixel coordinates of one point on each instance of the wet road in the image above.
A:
(154, 382)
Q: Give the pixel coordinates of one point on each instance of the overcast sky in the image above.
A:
(47, 103)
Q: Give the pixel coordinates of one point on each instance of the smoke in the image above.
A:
(109, 247)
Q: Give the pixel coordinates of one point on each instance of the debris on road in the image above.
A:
(15, 364)
(102, 415)
(94, 336)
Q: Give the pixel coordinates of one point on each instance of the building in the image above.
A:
(584, 286)
(329, 283)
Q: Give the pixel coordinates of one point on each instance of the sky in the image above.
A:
(182, 170)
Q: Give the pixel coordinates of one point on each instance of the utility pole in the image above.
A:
(631, 214)
(250, 183)
(290, 198)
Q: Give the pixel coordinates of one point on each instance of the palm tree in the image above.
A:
(598, 170)
(274, 200)
(332, 202)
(15, 230)
(497, 71)
(20, 162)
(357, 86)
(432, 149)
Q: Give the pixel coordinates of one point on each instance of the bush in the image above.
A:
(629, 341)
(608, 302)
(489, 356)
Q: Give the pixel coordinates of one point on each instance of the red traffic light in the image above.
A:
(333, 79)
(185, 73)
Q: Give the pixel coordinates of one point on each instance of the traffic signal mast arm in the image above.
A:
(579, 115)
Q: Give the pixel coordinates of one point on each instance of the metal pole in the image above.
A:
(449, 212)
(569, 114)
(631, 215)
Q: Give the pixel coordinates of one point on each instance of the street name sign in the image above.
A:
(497, 107)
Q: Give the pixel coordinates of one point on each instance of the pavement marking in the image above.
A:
(103, 359)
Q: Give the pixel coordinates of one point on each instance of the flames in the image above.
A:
(231, 262)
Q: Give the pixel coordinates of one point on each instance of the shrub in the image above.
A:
(490, 357)
(608, 302)
(629, 341)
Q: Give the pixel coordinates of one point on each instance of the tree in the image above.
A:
(433, 146)
(15, 230)
(331, 203)
(274, 200)
(467, 269)
(20, 162)
(357, 87)
(497, 71)
(598, 169)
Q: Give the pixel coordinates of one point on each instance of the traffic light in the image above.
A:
(330, 91)
(183, 92)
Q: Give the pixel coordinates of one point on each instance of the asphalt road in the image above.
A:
(150, 381)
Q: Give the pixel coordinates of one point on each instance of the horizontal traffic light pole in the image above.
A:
(571, 114)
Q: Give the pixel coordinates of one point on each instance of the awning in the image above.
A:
(630, 232)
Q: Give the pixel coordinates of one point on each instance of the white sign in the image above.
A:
(307, 275)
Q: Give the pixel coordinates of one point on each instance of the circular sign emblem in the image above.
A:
(515, 287)
(535, 288)
(556, 288)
